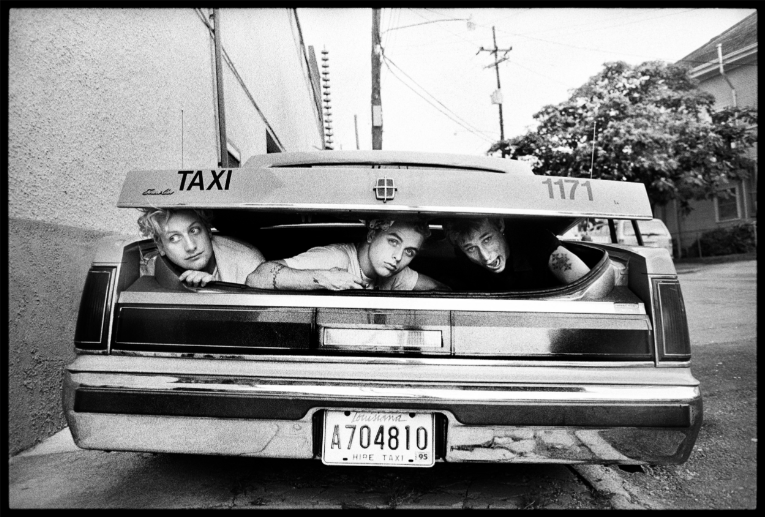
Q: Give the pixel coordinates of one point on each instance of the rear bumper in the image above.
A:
(269, 409)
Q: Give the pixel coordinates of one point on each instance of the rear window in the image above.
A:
(601, 228)
(436, 259)
(654, 227)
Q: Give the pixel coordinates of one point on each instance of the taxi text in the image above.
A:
(201, 180)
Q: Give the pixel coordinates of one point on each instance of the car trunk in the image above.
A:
(596, 318)
(284, 208)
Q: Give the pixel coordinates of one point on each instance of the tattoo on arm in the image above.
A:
(560, 262)
(275, 271)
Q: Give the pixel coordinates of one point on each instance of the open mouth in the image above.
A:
(494, 264)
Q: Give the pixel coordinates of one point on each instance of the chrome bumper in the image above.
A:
(253, 409)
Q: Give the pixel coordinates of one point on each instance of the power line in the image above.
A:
(423, 89)
(453, 116)
(440, 43)
(389, 13)
(393, 14)
(642, 20)
(494, 22)
(540, 75)
(444, 28)
(653, 58)
(566, 27)
(425, 23)
(456, 85)
(473, 130)
(476, 133)
(511, 16)
(388, 40)
(526, 35)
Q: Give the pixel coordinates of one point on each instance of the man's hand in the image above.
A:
(337, 279)
(196, 278)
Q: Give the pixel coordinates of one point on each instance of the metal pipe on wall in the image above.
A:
(219, 82)
(722, 72)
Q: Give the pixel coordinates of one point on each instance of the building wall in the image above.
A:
(703, 218)
(94, 93)
(686, 230)
(269, 81)
(743, 79)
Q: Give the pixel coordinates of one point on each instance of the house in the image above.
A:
(94, 93)
(738, 86)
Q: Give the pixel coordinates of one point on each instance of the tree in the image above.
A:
(651, 124)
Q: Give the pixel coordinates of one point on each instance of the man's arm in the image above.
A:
(277, 275)
(566, 266)
(425, 283)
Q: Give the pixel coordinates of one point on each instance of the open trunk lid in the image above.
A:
(363, 184)
(597, 318)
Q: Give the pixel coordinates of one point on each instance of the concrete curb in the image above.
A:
(60, 442)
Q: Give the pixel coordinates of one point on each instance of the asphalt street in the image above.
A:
(721, 473)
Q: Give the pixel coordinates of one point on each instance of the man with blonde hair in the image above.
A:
(380, 261)
(185, 238)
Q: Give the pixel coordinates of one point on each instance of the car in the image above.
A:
(597, 371)
(654, 233)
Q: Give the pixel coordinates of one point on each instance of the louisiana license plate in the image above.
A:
(379, 438)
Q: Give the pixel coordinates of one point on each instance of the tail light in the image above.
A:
(360, 339)
(201, 329)
(671, 322)
(95, 307)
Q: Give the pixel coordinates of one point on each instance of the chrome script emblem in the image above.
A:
(385, 189)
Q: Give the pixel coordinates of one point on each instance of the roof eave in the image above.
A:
(736, 57)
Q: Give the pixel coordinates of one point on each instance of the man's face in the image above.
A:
(186, 241)
(393, 249)
(486, 247)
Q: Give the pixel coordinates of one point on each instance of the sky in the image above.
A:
(436, 83)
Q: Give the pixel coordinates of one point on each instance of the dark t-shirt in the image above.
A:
(529, 252)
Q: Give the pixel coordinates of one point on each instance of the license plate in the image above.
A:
(379, 438)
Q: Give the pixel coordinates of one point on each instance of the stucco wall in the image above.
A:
(94, 93)
(48, 264)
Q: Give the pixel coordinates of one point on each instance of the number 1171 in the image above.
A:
(572, 192)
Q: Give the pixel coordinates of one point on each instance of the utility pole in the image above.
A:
(356, 126)
(376, 100)
(219, 84)
(497, 96)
